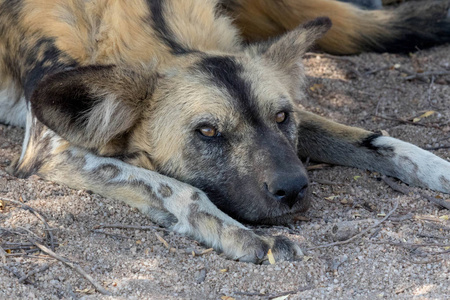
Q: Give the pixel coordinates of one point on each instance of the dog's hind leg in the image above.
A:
(326, 141)
(407, 28)
(168, 202)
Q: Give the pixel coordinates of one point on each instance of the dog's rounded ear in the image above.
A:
(288, 49)
(90, 106)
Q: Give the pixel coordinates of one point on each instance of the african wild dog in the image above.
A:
(177, 107)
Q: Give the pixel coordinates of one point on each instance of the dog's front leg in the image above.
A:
(168, 202)
(326, 141)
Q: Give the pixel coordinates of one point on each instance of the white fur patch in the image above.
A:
(417, 166)
(29, 124)
(13, 107)
(108, 118)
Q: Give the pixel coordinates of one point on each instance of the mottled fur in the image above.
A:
(114, 96)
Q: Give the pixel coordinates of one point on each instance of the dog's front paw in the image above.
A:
(414, 165)
(247, 246)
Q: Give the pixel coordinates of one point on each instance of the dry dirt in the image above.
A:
(385, 263)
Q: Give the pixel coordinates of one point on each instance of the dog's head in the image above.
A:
(223, 122)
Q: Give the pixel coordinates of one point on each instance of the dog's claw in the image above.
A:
(247, 246)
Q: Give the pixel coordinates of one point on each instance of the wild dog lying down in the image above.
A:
(161, 104)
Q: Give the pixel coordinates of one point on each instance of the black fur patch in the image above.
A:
(165, 190)
(367, 142)
(106, 172)
(198, 218)
(51, 62)
(164, 32)
(195, 196)
(418, 25)
(146, 189)
(367, 4)
(60, 95)
(225, 72)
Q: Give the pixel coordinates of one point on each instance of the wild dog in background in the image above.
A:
(178, 107)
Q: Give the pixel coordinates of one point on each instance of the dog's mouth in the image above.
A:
(283, 219)
(286, 219)
(270, 213)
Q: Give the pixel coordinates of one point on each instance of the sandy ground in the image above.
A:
(387, 262)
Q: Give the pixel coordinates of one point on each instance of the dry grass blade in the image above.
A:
(165, 243)
(75, 267)
(271, 257)
(206, 251)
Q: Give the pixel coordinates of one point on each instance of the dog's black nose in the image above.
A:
(288, 188)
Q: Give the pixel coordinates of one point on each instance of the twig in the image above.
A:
(427, 261)
(167, 245)
(326, 182)
(412, 75)
(123, 226)
(377, 70)
(113, 235)
(428, 218)
(41, 269)
(249, 294)
(317, 167)
(68, 263)
(438, 227)
(423, 75)
(359, 234)
(437, 148)
(396, 187)
(15, 273)
(407, 190)
(195, 253)
(375, 233)
(42, 256)
(400, 218)
(440, 202)
(30, 232)
(273, 296)
(48, 230)
(3, 255)
(19, 246)
(429, 90)
(401, 290)
(410, 245)
(431, 236)
(28, 253)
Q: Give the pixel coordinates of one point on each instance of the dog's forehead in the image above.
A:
(246, 84)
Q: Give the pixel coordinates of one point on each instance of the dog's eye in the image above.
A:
(209, 132)
(280, 117)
